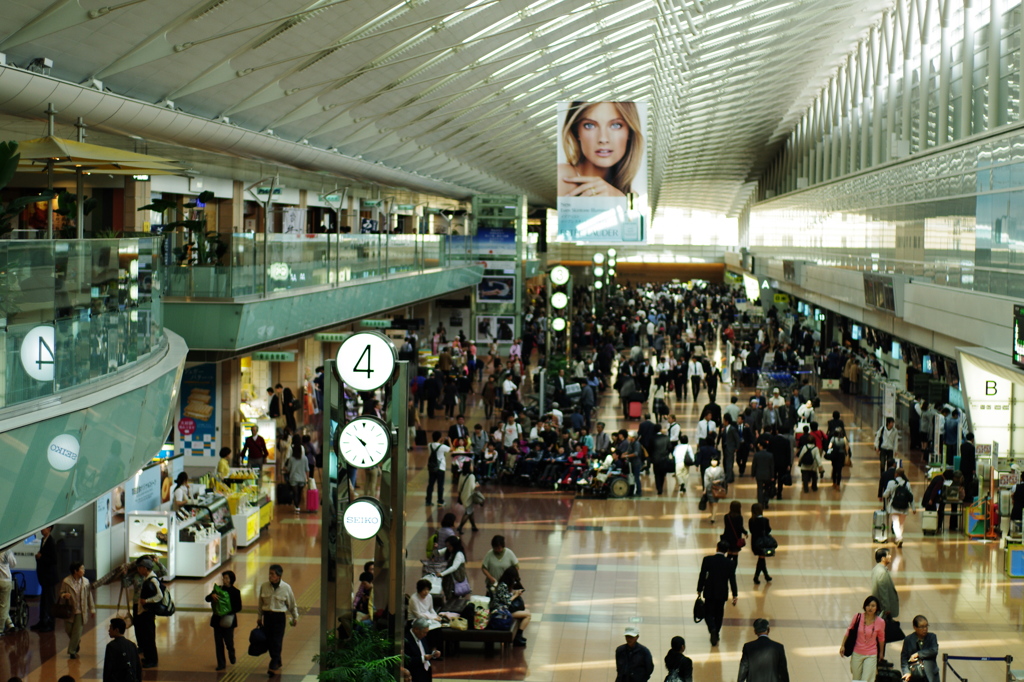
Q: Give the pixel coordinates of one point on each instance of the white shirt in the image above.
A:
(442, 450)
(510, 434)
(422, 607)
(278, 600)
(695, 369)
(673, 432)
(705, 427)
(508, 387)
(558, 415)
(7, 562)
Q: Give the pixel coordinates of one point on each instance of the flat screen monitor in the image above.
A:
(855, 332)
(926, 364)
(897, 352)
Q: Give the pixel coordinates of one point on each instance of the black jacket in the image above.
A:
(414, 660)
(781, 451)
(763, 661)
(46, 565)
(121, 661)
(236, 606)
(717, 575)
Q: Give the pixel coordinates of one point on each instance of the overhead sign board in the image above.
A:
(274, 356)
(331, 337)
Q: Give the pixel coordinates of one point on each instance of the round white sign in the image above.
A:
(363, 518)
(559, 275)
(63, 452)
(366, 361)
(38, 353)
(559, 300)
(558, 324)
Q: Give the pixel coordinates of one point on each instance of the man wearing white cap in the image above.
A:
(633, 662)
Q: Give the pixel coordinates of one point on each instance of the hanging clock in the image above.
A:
(363, 518)
(364, 442)
(366, 361)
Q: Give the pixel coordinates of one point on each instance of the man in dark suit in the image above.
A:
(968, 462)
(459, 429)
(417, 660)
(49, 575)
(645, 432)
(782, 454)
(763, 470)
(921, 646)
(717, 575)
(763, 660)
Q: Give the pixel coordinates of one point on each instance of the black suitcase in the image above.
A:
(887, 673)
(284, 494)
(421, 437)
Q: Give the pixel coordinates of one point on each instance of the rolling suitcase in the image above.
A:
(930, 522)
(880, 526)
(887, 672)
(421, 437)
(284, 494)
(312, 500)
(635, 410)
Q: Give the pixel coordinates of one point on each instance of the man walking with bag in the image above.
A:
(717, 575)
(763, 660)
(276, 603)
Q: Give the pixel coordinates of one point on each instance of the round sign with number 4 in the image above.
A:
(366, 361)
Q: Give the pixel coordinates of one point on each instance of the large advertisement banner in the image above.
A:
(197, 424)
(602, 171)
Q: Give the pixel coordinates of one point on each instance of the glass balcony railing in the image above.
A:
(75, 311)
(261, 265)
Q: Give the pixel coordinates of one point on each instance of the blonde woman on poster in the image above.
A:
(603, 146)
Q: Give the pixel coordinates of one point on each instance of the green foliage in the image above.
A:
(556, 362)
(9, 158)
(364, 657)
(209, 246)
(67, 205)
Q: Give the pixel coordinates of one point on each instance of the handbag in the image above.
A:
(517, 605)
(767, 544)
(917, 672)
(462, 587)
(698, 610)
(703, 504)
(851, 638)
(458, 623)
(258, 644)
(125, 615)
(477, 497)
(227, 621)
(719, 490)
(893, 631)
(848, 462)
(63, 610)
(501, 619)
(741, 541)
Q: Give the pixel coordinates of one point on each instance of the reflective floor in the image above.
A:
(593, 567)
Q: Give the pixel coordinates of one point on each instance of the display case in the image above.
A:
(153, 532)
(206, 538)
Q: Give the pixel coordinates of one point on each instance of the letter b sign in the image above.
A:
(991, 388)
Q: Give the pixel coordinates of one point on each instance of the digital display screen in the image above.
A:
(926, 364)
(1018, 335)
(896, 350)
(855, 332)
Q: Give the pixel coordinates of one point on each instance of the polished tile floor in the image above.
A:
(593, 567)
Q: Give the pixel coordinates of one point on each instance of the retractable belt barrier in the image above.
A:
(946, 658)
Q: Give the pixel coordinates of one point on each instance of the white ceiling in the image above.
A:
(463, 91)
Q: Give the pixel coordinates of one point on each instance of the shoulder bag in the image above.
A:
(741, 541)
(698, 610)
(851, 638)
(126, 614)
(893, 631)
(719, 490)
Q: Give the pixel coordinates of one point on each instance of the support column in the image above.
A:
(995, 86)
(891, 32)
(906, 15)
(136, 195)
(967, 73)
(945, 75)
(924, 84)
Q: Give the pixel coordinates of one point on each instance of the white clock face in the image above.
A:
(559, 300)
(560, 275)
(558, 324)
(366, 361)
(364, 442)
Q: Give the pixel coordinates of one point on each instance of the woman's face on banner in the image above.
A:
(603, 135)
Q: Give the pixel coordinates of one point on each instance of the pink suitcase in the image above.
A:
(312, 500)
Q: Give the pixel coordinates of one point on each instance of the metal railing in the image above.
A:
(264, 265)
(75, 311)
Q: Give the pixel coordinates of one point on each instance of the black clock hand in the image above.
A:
(361, 441)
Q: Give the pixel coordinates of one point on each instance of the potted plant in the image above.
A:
(201, 247)
(366, 656)
(9, 158)
(67, 206)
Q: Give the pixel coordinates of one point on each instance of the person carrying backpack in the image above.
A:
(808, 458)
(899, 499)
(436, 452)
